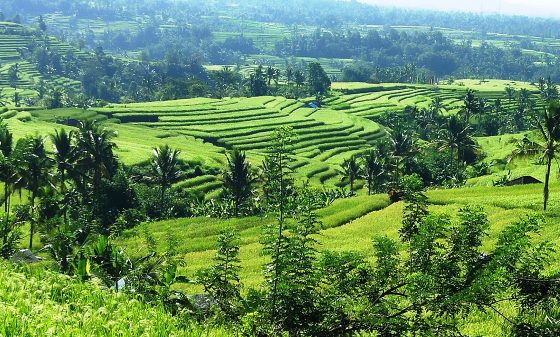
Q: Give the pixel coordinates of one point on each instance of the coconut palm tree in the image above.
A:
(352, 170)
(65, 157)
(238, 180)
(289, 75)
(165, 169)
(34, 171)
(472, 105)
(456, 138)
(7, 174)
(510, 93)
(403, 145)
(299, 79)
(6, 167)
(548, 125)
(270, 73)
(94, 148)
(374, 169)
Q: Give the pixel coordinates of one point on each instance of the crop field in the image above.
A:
(324, 137)
(38, 303)
(371, 100)
(360, 218)
(205, 129)
(14, 38)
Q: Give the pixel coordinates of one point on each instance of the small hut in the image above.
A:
(525, 180)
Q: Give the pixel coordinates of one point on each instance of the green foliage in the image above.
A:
(374, 170)
(221, 281)
(352, 170)
(10, 235)
(238, 180)
(319, 82)
(165, 171)
(276, 172)
(416, 208)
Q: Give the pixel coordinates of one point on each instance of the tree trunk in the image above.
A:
(63, 191)
(162, 201)
(32, 221)
(547, 180)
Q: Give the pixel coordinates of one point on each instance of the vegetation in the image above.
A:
(196, 168)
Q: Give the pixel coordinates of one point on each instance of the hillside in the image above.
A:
(267, 168)
(15, 42)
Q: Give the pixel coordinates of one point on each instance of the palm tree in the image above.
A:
(289, 75)
(436, 106)
(238, 179)
(373, 169)
(3, 98)
(403, 146)
(34, 171)
(7, 173)
(352, 170)
(65, 157)
(456, 138)
(299, 79)
(165, 169)
(6, 167)
(270, 73)
(95, 153)
(510, 93)
(472, 105)
(548, 125)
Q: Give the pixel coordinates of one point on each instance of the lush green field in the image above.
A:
(13, 39)
(349, 225)
(205, 129)
(40, 303)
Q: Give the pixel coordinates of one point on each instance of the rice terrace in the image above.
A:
(279, 168)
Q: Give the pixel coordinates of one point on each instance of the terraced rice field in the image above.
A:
(13, 39)
(371, 100)
(325, 137)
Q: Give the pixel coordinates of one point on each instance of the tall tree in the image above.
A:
(319, 82)
(374, 169)
(65, 158)
(471, 105)
(95, 150)
(352, 170)
(456, 137)
(548, 124)
(13, 75)
(403, 146)
(238, 180)
(289, 75)
(277, 184)
(34, 170)
(65, 155)
(8, 178)
(165, 170)
(257, 82)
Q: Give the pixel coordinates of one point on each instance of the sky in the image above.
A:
(546, 8)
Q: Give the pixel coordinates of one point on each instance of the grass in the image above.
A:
(40, 303)
(348, 225)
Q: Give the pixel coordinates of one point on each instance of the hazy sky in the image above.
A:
(522, 7)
